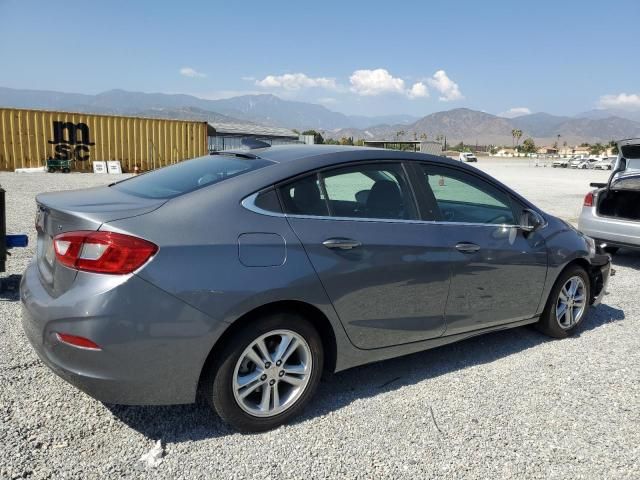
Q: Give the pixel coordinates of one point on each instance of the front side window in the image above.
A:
(464, 198)
(363, 191)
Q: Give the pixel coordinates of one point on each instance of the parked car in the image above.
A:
(560, 163)
(604, 164)
(246, 275)
(579, 162)
(588, 163)
(611, 212)
(467, 157)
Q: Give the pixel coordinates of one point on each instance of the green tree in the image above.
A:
(529, 146)
(613, 145)
(346, 141)
(596, 149)
(317, 136)
(460, 148)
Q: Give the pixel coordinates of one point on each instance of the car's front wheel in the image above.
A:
(266, 372)
(568, 303)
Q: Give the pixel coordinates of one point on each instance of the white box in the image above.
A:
(113, 166)
(100, 167)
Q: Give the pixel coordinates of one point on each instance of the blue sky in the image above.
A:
(368, 57)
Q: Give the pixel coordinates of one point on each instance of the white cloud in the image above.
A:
(191, 72)
(375, 82)
(296, 81)
(626, 101)
(449, 90)
(515, 112)
(380, 81)
(418, 90)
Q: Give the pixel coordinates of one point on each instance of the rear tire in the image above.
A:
(253, 393)
(566, 309)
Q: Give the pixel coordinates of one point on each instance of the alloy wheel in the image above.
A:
(571, 303)
(272, 373)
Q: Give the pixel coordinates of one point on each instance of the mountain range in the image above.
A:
(264, 109)
(460, 124)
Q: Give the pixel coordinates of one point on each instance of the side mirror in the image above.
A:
(530, 220)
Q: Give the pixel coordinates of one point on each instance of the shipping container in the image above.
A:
(28, 138)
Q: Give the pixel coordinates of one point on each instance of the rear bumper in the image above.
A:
(153, 345)
(613, 231)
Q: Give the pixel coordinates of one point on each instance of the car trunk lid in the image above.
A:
(621, 199)
(88, 209)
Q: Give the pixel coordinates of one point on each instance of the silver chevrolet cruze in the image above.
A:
(243, 276)
(611, 212)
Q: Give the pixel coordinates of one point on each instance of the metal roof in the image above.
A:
(251, 129)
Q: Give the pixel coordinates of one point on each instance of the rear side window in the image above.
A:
(190, 175)
(363, 191)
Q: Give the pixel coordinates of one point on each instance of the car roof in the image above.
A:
(288, 153)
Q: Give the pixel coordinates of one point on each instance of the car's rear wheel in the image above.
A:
(266, 373)
(567, 305)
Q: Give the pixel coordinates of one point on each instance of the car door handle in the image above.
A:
(467, 247)
(341, 243)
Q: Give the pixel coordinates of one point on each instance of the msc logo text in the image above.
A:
(71, 140)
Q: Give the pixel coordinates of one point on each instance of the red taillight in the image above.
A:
(77, 341)
(588, 200)
(102, 252)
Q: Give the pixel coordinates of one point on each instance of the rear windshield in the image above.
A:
(187, 176)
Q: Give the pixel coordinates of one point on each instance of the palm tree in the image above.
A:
(516, 133)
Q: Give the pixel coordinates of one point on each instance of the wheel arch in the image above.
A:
(310, 312)
(588, 268)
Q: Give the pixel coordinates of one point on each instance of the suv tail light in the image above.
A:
(102, 252)
(588, 200)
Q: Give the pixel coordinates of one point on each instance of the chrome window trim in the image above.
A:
(249, 204)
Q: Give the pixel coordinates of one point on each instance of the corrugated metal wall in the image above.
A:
(29, 137)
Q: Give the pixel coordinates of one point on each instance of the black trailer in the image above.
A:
(7, 242)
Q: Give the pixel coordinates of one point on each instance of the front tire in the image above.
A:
(266, 373)
(567, 305)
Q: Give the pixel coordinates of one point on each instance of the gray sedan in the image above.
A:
(246, 275)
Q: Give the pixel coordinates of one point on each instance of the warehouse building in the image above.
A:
(424, 146)
(28, 138)
(226, 136)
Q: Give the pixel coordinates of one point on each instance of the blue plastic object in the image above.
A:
(17, 241)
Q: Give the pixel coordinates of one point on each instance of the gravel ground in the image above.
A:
(511, 404)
